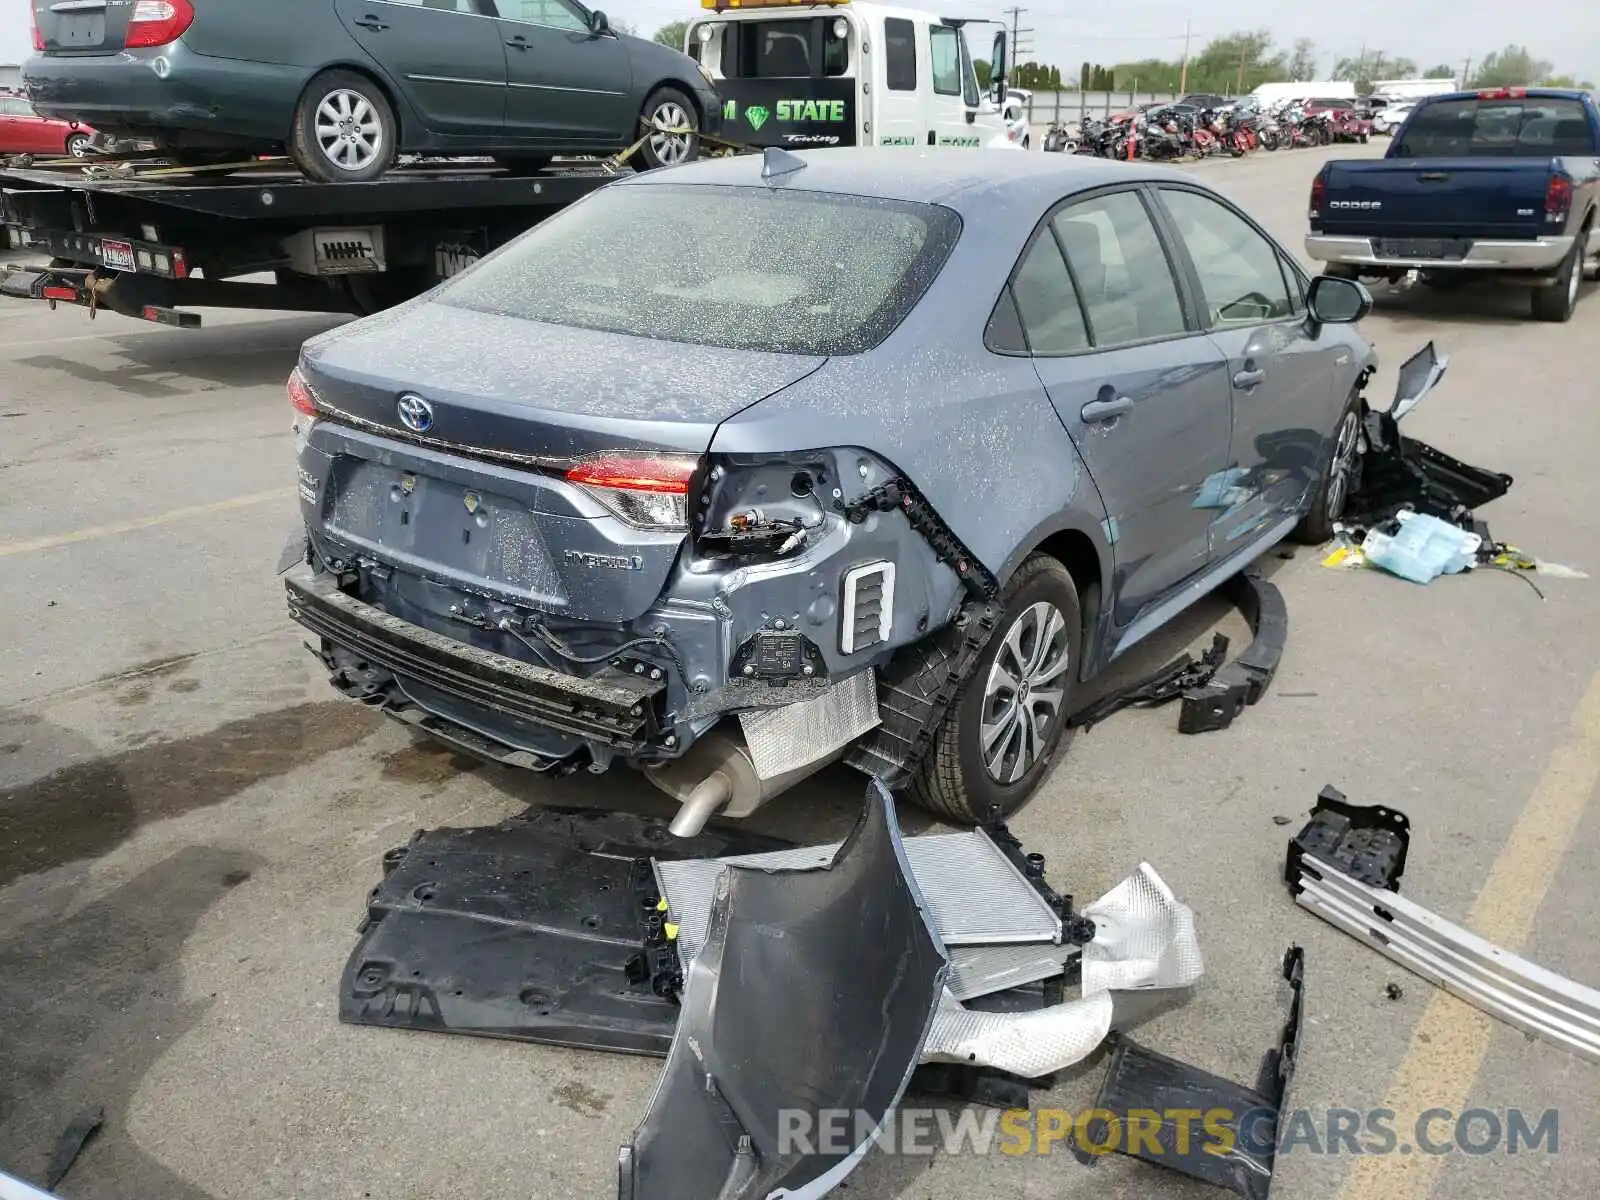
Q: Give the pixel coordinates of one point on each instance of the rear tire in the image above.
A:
(1041, 627)
(1560, 300)
(666, 109)
(344, 129)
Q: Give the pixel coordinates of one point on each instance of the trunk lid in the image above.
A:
(1437, 197)
(82, 27)
(480, 499)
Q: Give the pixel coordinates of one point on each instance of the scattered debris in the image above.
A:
(1393, 991)
(1421, 548)
(1280, 820)
(1214, 692)
(1345, 866)
(70, 1145)
(783, 1014)
(1140, 1083)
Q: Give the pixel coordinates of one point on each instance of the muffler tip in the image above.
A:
(703, 803)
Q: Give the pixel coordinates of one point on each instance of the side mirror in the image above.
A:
(1335, 301)
(997, 70)
(598, 25)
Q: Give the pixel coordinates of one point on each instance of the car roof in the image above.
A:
(928, 176)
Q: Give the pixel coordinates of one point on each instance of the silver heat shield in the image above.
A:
(785, 739)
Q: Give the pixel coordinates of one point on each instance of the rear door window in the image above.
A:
(551, 13)
(1532, 127)
(1128, 289)
(786, 49)
(799, 272)
(1047, 302)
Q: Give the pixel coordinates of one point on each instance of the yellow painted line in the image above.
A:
(1452, 1039)
(96, 532)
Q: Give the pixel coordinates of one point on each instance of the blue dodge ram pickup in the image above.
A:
(1499, 184)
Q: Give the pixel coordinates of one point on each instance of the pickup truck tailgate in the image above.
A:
(1437, 198)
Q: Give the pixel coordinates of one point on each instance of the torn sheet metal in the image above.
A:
(1502, 984)
(784, 1014)
(1144, 939)
(1140, 1081)
(975, 893)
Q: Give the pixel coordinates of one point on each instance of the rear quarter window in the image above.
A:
(1532, 127)
(743, 268)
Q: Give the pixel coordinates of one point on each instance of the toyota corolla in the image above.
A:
(730, 471)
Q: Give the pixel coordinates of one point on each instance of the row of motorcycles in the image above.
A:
(1177, 131)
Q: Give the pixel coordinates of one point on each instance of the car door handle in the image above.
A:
(1106, 410)
(371, 24)
(519, 43)
(1245, 380)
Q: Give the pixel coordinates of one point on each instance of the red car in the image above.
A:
(23, 131)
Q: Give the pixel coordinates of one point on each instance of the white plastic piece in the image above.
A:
(854, 580)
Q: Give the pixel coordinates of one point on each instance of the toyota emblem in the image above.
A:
(416, 414)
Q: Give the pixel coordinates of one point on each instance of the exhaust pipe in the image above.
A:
(718, 776)
(703, 803)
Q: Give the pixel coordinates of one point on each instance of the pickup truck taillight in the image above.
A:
(1319, 192)
(1558, 200)
(158, 22)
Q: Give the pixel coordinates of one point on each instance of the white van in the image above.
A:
(847, 73)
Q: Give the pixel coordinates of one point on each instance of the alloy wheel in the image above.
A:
(348, 130)
(1343, 466)
(668, 147)
(1024, 695)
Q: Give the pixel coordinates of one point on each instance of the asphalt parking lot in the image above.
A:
(190, 819)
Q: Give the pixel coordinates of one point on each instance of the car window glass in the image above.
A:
(774, 269)
(900, 54)
(835, 51)
(16, 108)
(774, 49)
(1512, 126)
(1240, 272)
(535, 12)
(1005, 326)
(1121, 270)
(945, 45)
(1047, 302)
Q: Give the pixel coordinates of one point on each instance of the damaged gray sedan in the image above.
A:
(730, 471)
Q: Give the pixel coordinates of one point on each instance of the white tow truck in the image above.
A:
(848, 73)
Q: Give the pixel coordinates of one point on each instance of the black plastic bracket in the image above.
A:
(1242, 682)
(1367, 842)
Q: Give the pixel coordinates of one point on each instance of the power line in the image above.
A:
(1018, 50)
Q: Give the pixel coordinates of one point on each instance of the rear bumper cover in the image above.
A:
(1539, 254)
(613, 708)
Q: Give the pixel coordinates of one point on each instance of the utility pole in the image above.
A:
(1466, 72)
(1017, 34)
(1238, 80)
(1183, 74)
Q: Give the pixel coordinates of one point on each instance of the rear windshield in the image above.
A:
(743, 268)
(1534, 127)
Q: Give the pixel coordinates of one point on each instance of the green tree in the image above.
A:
(1510, 67)
(1151, 75)
(1442, 71)
(672, 34)
(1303, 61)
(984, 72)
(1236, 62)
(1365, 69)
(1086, 78)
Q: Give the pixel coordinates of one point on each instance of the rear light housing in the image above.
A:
(38, 34)
(158, 23)
(1319, 194)
(301, 398)
(648, 491)
(1504, 93)
(1558, 200)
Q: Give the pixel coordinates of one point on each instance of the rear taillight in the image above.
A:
(158, 22)
(38, 34)
(1504, 93)
(1319, 193)
(301, 398)
(1558, 200)
(648, 491)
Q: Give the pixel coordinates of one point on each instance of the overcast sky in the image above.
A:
(1565, 32)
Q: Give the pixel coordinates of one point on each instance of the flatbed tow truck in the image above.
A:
(130, 234)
